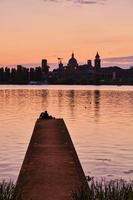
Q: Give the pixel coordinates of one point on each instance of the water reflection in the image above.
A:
(71, 102)
(100, 122)
(97, 104)
(60, 100)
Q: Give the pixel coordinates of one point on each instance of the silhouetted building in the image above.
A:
(32, 74)
(61, 67)
(97, 62)
(38, 74)
(1, 75)
(21, 75)
(7, 75)
(45, 67)
(89, 62)
(72, 63)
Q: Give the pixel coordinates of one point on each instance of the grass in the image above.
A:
(6, 190)
(97, 190)
(105, 190)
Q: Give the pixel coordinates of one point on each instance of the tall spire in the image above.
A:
(97, 55)
(72, 54)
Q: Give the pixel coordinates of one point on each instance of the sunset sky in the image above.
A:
(35, 29)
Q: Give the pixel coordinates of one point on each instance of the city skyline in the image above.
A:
(123, 62)
(40, 29)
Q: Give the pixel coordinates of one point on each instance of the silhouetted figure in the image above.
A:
(45, 115)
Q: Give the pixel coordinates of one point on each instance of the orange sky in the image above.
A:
(35, 29)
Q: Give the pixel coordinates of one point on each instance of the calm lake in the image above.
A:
(99, 119)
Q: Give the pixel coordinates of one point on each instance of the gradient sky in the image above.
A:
(35, 29)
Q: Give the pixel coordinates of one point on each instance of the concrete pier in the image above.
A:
(51, 169)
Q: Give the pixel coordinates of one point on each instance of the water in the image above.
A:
(99, 119)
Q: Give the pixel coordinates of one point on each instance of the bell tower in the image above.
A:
(97, 62)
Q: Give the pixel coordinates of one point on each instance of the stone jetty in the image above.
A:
(51, 169)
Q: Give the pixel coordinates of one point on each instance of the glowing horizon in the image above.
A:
(36, 29)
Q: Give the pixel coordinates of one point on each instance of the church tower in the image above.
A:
(97, 62)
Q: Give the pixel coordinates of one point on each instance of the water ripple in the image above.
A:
(99, 120)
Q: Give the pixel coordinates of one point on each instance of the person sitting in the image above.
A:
(45, 115)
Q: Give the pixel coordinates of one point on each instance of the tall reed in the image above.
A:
(105, 190)
(6, 190)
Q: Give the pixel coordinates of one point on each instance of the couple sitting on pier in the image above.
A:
(45, 115)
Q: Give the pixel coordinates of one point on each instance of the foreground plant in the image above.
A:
(97, 190)
(6, 190)
(105, 190)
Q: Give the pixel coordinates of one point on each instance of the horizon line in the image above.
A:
(120, 60)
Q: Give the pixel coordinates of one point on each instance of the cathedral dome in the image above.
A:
(72, 61)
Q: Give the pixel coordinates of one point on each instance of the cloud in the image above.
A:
(124, 59)
(90, 2)
(85, 2)
(118, 61)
